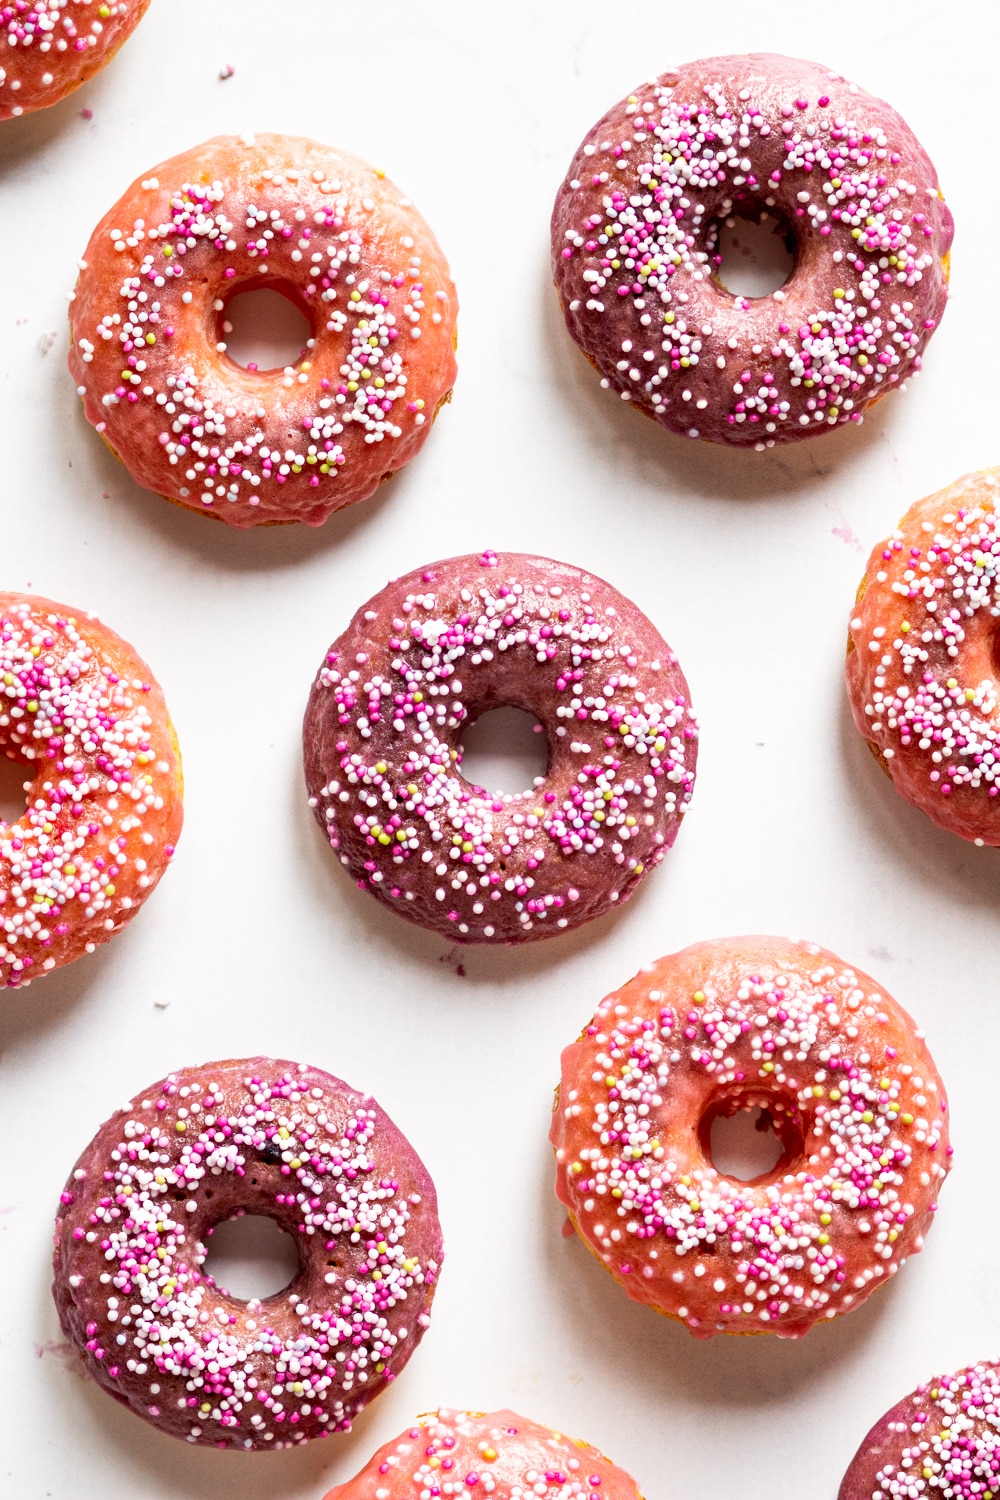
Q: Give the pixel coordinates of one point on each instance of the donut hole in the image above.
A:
(751, 1139)
(504, 752)
(15, 784)
(753, 250)
(264, 329)
(250, 1257)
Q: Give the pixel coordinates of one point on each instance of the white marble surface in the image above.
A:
(256, 942)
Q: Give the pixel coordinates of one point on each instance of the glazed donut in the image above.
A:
(149, 354)
(940, 1441)
(418, 664)
(849, 1087)
(85, 716)
(208, 1144)
(635, 241)
(922, 656)
(451, 1452)
(52, 46)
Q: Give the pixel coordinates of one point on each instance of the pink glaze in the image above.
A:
(83, 714)
(854, 1097)
(941, 1442)
(149, 354)
(635, 249)
(494, 1453)
(204, 1145)
(922, 656)
(49, 47)
(428, 655)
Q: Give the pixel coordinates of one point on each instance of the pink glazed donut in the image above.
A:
(635, 234)
(855, 1100)
(84, 717)
(49, 47)
(922, 657)
(498, 1453)
(942, 1442)
(426, 657)
(256, 447)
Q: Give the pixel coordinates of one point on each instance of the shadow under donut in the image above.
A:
(142, 1455)
(374, 925)
(643, 450)
(215, 543)
(969, 874)
(38, 1010)
(602, 1326)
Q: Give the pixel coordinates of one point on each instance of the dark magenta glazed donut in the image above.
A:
(207, 1144)
(420, 662)
(941, 1442)
(635, 249)
(337, 238)
(49, 47)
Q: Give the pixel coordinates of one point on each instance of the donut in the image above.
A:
(922, 656)
(450, 1453)
(941, 1441)
(417, 665)
(81, 711)
(207, 1144)
(148, 352)
(635, 249)
(52, 46)
(834, 1065)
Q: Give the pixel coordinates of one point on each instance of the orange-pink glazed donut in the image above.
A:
(922, 656)
(498, 1453)
(382, 745)
(49, 47)
(148, 352)
(210, 1143)
(852, 1093)
(81, 711)
(635, 249)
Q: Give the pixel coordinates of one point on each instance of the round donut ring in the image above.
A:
(84, 715)
(922, 657)
(635, 249)
(418, 664)
(944, 1432)
(506, 1454)
(212, 1143)
(339, 240)
(53, 46)
(850, 1089)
